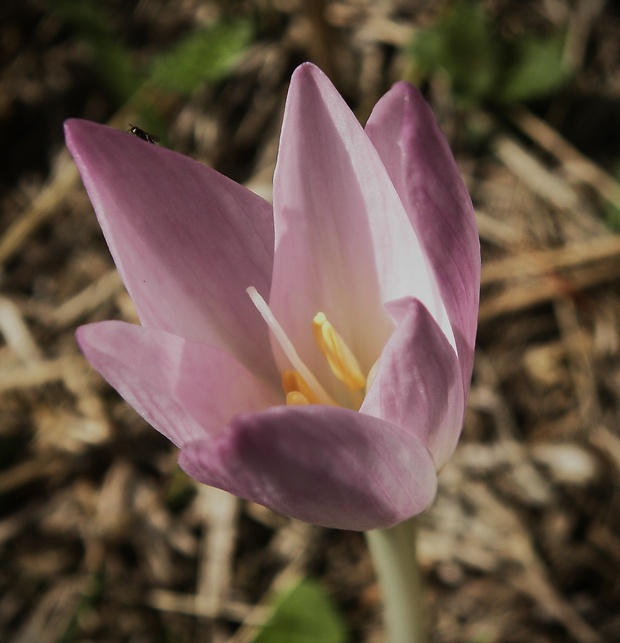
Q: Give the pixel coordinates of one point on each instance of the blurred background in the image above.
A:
(102, 537)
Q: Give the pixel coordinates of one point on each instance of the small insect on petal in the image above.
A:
(140, 133)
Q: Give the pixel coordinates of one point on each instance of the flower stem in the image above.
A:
(394, 553)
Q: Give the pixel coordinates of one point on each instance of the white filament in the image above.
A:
(288, 348)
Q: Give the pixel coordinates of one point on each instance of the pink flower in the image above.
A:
(339, 400)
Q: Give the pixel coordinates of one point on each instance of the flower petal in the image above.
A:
(422, 168)
(186, 390)
(186, 240)
(418, 383)
(324, 465)
(344, 244)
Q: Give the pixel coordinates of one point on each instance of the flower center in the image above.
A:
(299, 383)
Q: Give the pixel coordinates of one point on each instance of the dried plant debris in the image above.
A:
(103, 538)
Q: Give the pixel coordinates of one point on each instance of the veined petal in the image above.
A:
(186, 390)
(418, 383)
(186, 240)
(419, 161)
(344, 243)
(324, 465)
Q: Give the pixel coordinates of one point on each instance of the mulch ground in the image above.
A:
(102, 538)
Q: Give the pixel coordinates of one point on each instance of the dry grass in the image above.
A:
(102, 538)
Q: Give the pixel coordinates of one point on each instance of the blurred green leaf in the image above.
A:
(304, 614)
(207, 55)
(111, 60)
(481, 65)
(460, 45)
(537, 68)
(204, 56)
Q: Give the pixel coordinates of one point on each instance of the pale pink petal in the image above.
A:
(418, 383)
(344, 244)
(186, 390)
(186, 240)
(420, 163)
(324, 465)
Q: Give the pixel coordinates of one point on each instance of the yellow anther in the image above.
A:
(339, 356)
(318, 393)
(293, 382)
(295, 398)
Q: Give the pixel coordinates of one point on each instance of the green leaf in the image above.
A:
(537, 68)
(462, 46)
(111, 60)
(204, 56)
(481, 65)
(304, 614)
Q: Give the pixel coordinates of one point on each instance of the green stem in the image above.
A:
(394, 553)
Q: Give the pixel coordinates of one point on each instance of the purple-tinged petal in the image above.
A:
(186, 240)
(186, 390)
(419, 161)
(344, 244)
(324, 465)
(418, 383)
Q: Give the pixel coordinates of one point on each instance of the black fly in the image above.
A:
(140, 133)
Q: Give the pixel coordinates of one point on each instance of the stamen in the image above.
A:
(289, 350)
(341, 360)
(295, 398)
(293, 382)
